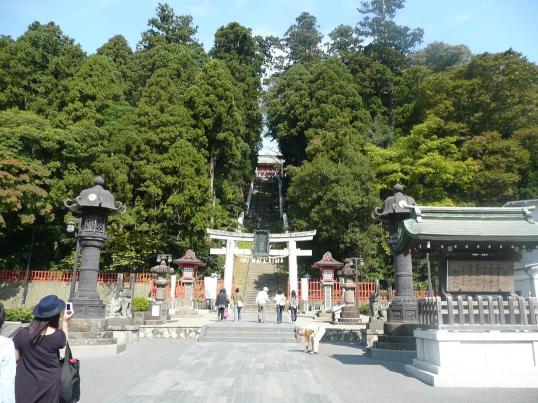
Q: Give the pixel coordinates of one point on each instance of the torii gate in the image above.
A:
(230, 250)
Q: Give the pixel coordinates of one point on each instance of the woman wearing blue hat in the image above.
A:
(37, 349)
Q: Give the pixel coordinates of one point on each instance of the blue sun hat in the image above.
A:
(48, 307)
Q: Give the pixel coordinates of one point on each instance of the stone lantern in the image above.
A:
(403, 309)
(327, 265)
(189, 263)
(93, 205)
(160, 277)
(350, 312)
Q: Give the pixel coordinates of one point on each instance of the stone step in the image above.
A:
(395, 346)
(92, 341)
(249, 330)
(89, 335)
(397, 339)
(221, 339)
(392, 355)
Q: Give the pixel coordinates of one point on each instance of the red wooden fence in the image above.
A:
(363, 290)
(64, 276)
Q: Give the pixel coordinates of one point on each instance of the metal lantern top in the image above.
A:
(95, 198)
(394, 208)
(327, 262)
(189, 260)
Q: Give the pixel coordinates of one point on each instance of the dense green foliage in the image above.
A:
(140, 304)
(353, 118)
(175, 132)
(19, 314)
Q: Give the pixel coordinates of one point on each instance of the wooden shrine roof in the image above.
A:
(510, 225)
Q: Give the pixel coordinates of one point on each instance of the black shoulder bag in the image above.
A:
(69, 378)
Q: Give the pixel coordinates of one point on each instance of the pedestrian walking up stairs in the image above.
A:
(259, 275)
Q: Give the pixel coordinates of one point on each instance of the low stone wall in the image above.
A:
(11, 291)
(335, 335)
(169, 332)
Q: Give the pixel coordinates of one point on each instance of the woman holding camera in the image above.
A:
(37, 350)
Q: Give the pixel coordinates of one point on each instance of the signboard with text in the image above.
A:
(480, 276)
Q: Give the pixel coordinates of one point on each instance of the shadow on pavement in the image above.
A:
(358, 359)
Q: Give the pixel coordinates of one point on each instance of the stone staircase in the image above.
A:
(264, 211)
(248, 333)
(394, 348)
(259, 275)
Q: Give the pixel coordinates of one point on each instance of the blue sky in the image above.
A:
(483, 25)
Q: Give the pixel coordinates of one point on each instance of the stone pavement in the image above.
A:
(158, 370)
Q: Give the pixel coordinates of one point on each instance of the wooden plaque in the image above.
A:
(480, 276)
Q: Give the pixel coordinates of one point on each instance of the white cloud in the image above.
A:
(463, 18)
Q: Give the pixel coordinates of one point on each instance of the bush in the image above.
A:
(140, 304)
(19, 314)
(364, 308)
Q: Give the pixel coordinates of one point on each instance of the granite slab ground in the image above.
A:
(157, 370)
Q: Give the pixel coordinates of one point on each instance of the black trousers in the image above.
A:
(221, 313)
(293, 314)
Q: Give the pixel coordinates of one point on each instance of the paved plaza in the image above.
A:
(166, 370)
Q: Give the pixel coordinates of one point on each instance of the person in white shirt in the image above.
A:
(261, 300)
(280, 302)
(7, 365)
(312, 335)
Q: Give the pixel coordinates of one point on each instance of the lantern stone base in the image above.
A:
(476, 359)
(89, 307)
(90, 337)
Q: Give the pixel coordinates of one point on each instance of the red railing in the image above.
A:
(199, 289)
(363, 290)
(64, 276)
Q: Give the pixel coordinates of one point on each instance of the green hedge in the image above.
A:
(364, 308)
(19, 314)
(140, 304)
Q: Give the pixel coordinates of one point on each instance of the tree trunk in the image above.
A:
(212, 178)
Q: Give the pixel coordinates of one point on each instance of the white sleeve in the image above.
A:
(7, 371)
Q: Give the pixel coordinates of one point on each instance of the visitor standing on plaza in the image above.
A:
(294, 305)
(280, 303)
(37, 351)
(312, 335)
(222, 304)
(7, 365)
(262, 298)
(238, 304)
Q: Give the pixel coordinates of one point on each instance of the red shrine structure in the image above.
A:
(189, 264)
(327, 265)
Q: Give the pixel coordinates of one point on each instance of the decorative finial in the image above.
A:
(398, 188)
(99, 181)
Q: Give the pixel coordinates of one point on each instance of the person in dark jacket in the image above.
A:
(222, 303)
(37, 351)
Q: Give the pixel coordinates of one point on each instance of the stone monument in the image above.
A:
(88, 332)
(403, 310)
(350, 314)
(93, 205)
(159, 310)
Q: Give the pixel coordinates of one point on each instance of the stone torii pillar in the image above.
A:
(231, 250)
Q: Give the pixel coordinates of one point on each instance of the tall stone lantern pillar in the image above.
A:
(403, 309)
(350, 312)
(93, 205)
(189, 263)
(327, 265)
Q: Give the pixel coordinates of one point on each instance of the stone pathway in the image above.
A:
(185, 371)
